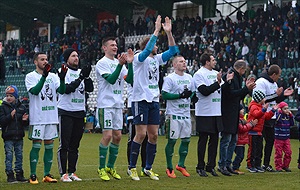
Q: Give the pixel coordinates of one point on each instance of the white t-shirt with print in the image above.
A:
(269, 89)
(175, 84)
(109, 95)
(75, 100)
(207, 105)
(43, 107)
(146, 76)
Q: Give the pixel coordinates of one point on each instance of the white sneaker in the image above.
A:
(65, 178)
(151, 174)
(133, 174)
(128, 172)
(74, 177)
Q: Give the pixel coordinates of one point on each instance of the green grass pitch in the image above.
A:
(89, 161)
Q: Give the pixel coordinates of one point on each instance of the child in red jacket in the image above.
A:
(243, 129)
(257, 110)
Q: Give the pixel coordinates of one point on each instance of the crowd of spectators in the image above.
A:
(261, 37)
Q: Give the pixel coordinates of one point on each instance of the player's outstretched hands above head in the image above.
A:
(167, 26)
(157, 25)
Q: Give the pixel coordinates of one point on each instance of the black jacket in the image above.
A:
(232, 93)
(12, 128)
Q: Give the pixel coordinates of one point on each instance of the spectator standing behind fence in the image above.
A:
(13, 119)
(282, 144)
(71, 111)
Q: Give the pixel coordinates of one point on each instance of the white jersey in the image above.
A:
(146, 76)
(43, 107)
(269, 89)
(109, 95)
(75, 100)
(175, 84)
(207, 105)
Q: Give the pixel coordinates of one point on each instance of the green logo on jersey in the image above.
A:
(113, 66)
(153, 63)
(74, 75)
(47, 108)
(76, 100)
(183, 105)
(117, 91)
(49, 80)
(153, 86)
(180, 82)
(211, 77)
(216, 100)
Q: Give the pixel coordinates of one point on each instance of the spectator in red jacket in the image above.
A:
(257, 110)
(243, 129)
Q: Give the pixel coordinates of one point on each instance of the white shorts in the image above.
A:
(110, 118)
(43, 132)
(178, 127)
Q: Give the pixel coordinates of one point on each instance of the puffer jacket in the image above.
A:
(12, 128)
(243, 129)
(256, 111)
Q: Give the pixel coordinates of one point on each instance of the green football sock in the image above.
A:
(48, 158)
(102, 155)
(34, 156)
(113, 154)
(183, 151)
(169, 151)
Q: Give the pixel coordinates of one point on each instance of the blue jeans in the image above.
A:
(240, 153)
(10, 146)
(227, 146)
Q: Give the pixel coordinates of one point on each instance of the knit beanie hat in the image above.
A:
(67, 53)
(258, 96)
(13, 90)
(282, 104)
(251, 76)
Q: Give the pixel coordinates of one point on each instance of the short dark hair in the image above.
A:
(175, 57)
(205, 57)
(108, 39)
(273, 69)
(35, 56)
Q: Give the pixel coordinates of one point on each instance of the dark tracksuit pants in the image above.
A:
(255, 151)
(71, 131)
(268, 134)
